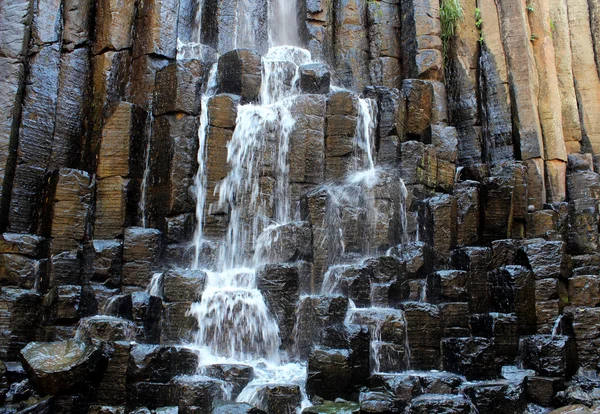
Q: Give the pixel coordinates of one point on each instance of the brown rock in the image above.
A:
(561, 37)
(112, 209)
(240, 72)
(114, 24)
(585, 73)
(156, 29)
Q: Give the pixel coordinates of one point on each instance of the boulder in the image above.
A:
(329, 374)
(284, 243)
(553, 356)
(159, 364)
(314, 78)
(183, 285)
(56, 367)
(239, 72)
(472, 357)
(432, 403)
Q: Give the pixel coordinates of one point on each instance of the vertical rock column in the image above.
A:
(15, 21)
(173, 147)
(383, 23)
(351, 44)
(587, 82)
(463, 87)
(561, 37)
(37, 118)
(524, 88)
(494, 92)
(318, 28)
(549, 100)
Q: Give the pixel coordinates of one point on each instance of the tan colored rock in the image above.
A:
(77, 22)
(595, 25)
(143, 72)
(351, 43)
(556, 181)
(587, 83)
(114, 25)
(11, 75)
(494, 88)
(561, 37)
(111, 207)
(536, 185)
(549, 104)
(15, 18)
(121, 151)
(69, 208)
(523, 76)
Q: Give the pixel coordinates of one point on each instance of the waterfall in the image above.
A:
(283, 23)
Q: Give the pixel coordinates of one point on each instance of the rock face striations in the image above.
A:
(276, 206)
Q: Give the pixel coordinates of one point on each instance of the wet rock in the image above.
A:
(35, 138)
(146, 313)
(548, 355)
(281, 399)
(341, 124)
(62, 366)
(196, 394)
(315, 313)
(543, 390)
(350, 40)
(280, 286)
(582, 233)
(141, 252)
(329, 374)
(447, 286)
(177, 325)
(505, 252)
(388, 335)
(239, 73)
(20, 271)
(156, 29)
(583, 184)
(503, 329)
(497, 397)
(388, 107)
(424, 334)
(159, 364)
(314, 78)
(285, 243)
(62, 304)
(112, 388)
(356, 339)
(476, 261)
(150, 394)
(183, 285)
(472, 357)
(105, 328)
(430, 403)
(107, 262)
(379, 402)
(454, 317)
(112, 207)
(67, 213)
(584, 291)
(333, 407)
(389, 284)
(418, 256)
(416, 110)
(113, 25)
(19, 316)
(235, 408)
(546, 258)
(468, 213)
(237, 376)
(177, 88)
(437, 224)
(222, 110)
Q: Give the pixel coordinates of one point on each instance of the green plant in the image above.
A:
(451, 14)
(530, 7)
(552, 25)
(478, 19)
(479, 23)
(533, 37)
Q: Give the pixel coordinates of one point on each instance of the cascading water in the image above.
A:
(233, 319)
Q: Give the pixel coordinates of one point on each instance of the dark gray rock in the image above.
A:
(240, 73)
(314, 78)
(56, 367)
(472, 357)
(159, 364)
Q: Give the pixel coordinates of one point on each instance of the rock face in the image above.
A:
(397, 216)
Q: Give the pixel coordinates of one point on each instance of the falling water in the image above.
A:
(200, 178)
(283, 23)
